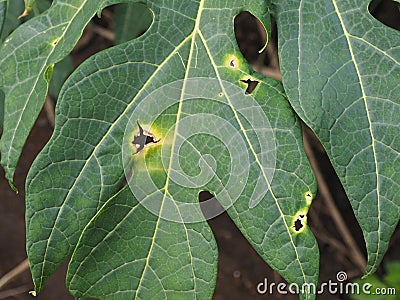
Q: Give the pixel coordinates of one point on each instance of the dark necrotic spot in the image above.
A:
(298, 225)
(150, 139)
(251, 85)
(142, 139)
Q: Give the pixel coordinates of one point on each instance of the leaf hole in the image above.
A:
(251, 85)
(143, 138)
(386, 11)
(299, 223)
(308, 196)
(232, 62)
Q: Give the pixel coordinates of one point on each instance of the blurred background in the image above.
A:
(240, 269)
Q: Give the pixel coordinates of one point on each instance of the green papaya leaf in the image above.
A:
(169, 112)
(130, 21)
(13, 10)
(158, 254)
(341, 71)
(61, 71)
(27, 54)
(3, 10)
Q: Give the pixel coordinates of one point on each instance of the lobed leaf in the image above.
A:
(27, 58)
(341, 71)
(184, 81)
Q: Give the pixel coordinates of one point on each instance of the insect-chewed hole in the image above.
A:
(386, 12)
(143, 138)
(298, 225)
(309, 197)
(251, 85)
(233, 63)
(299, 222)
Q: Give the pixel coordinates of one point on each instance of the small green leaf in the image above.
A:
(48, 73)
(341, 70)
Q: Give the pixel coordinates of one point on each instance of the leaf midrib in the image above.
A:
(282, 215)
(192, 45)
